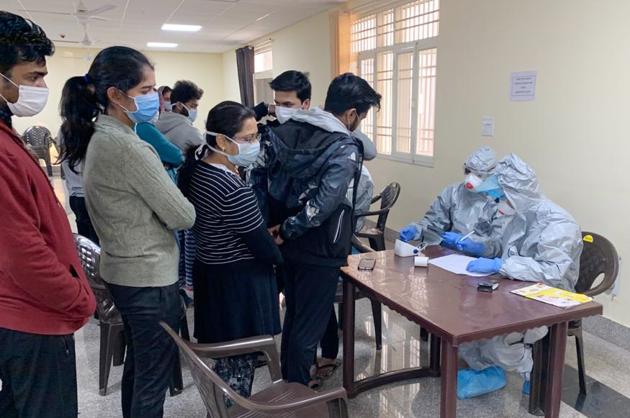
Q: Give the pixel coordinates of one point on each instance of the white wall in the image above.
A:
(204, 69)
(304, 46)
(575, 134)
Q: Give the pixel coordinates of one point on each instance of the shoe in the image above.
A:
(472, 383)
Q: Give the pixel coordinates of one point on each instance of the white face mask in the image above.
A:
(31, 100)
(283, 114)
(192, 113)
(472, 182)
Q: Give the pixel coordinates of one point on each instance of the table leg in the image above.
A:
(557, 348)
(538, 378)
(348, 337)
(448, 405)
(434, 354)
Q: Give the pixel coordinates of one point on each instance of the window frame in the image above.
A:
(397, 49)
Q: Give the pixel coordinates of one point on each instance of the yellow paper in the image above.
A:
(553, 296)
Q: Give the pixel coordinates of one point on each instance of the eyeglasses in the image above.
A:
(249, 139)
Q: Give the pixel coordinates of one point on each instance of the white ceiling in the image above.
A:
(226, 23)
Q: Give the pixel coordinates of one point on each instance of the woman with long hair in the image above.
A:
(135, 207)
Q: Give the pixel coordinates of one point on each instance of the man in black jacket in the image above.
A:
(313, 163)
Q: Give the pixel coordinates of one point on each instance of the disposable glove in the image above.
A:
(485, 265)
(408, 233)
(471, 247)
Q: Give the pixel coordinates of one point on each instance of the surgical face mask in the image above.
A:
(167, 105)
(147, 106)
(283, 114)
(471, 182)
(355, 124)
(247, 151)
(31, 100)
(192, 113)
(504, 208)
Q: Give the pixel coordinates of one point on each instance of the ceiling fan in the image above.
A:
(81, 12)
(86, 41)
(83, 15)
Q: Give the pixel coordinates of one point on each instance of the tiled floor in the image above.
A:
(607, 364)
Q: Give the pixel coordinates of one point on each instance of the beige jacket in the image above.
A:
(135, 207)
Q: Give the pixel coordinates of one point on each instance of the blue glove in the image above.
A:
(408, 233)
(485, 265)
(471, 247)
(471, 383)
(449, 239)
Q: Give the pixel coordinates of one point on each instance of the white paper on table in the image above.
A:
(455, 263)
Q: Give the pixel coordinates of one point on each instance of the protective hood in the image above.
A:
(519, 182)
(327, 121)
(482, 162)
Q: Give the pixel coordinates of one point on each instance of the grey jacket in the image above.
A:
(180, 131)
(135, 207)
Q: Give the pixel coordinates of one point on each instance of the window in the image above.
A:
(263, 57)
(396, 50)
(263, 72)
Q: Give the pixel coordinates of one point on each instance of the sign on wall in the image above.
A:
(523, 86)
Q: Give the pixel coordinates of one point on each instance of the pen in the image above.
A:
(468, 235)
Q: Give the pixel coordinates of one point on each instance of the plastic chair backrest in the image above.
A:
(211, 387)
(38, 137)
(389, 196)
(90, 256)
(599, 256)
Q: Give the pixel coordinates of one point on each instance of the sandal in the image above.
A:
(315, 383)
(325, 371)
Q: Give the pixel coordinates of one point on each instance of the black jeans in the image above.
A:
(84, 224)
(151, 353)
(310, 294)
(38, 374)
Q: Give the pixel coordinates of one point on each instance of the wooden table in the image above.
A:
(451, 309)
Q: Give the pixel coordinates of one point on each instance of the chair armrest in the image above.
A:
(372, 213)
(295, 404)
(265, 345)
(356, 243)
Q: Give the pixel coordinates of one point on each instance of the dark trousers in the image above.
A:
(151, 353)
(84, 224)
(38, 374)
(310, 294)
(330, 340)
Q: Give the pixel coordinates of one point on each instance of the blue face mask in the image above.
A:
(147, 106)
(491, 187)
(247, 152)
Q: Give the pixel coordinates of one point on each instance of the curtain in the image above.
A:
(245, 66)
(342, 58)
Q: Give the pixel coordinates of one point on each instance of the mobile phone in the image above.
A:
(487, 286)
(367, 264)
